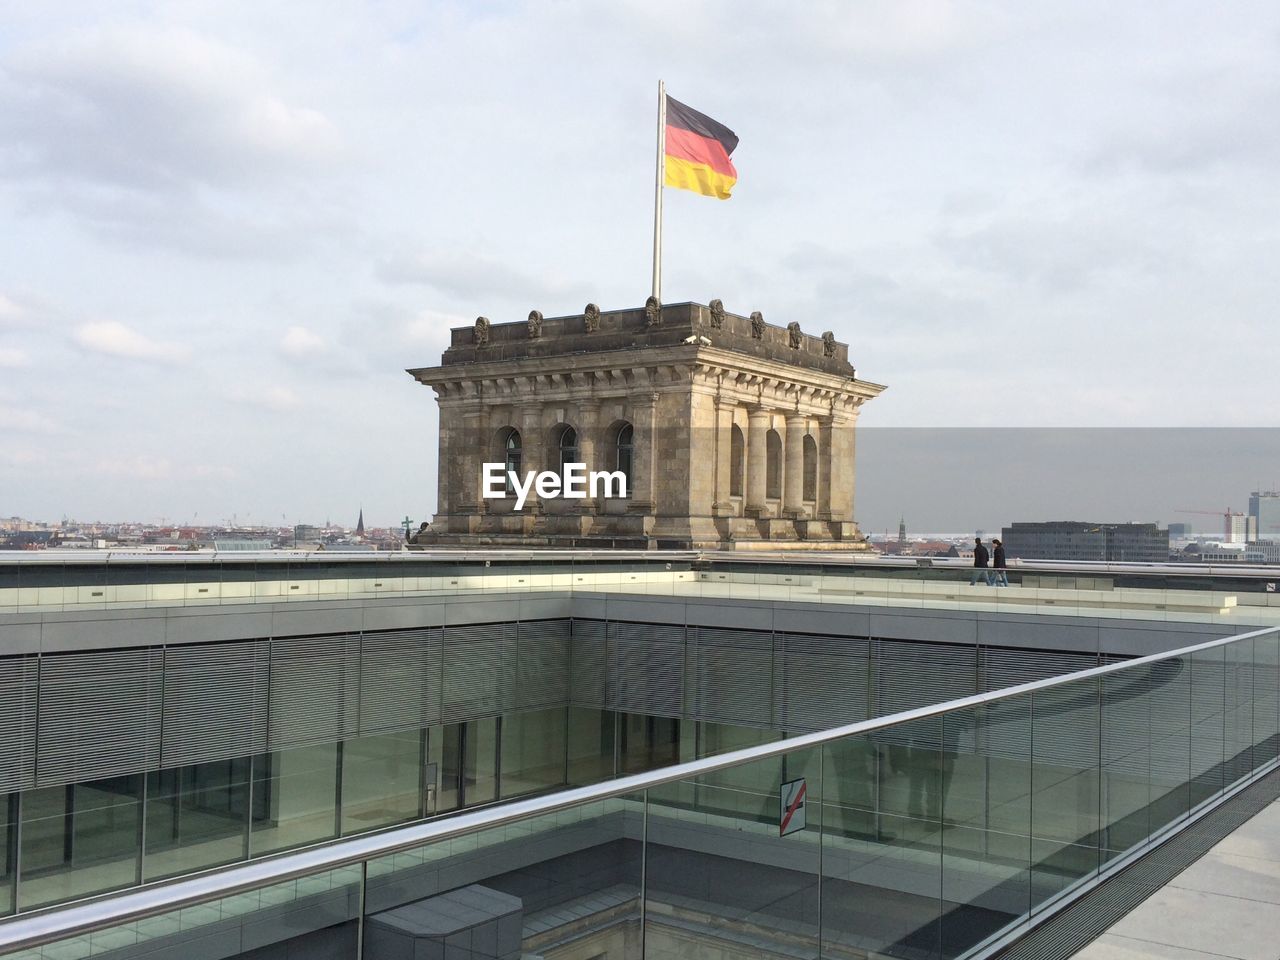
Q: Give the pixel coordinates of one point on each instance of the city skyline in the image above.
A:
(229, 236)
(1130, 475)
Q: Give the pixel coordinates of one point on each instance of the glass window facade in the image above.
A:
(382, 780)
(295, 798)
(79, 840)
(8, 849)
(533, 754)
(196, 817)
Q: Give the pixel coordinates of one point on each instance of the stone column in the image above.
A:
(644, 453)
(466, 461)
(793, 468)
(591, 448)
(757, 427)
(824, 467)
(723, 504)
(444, 492)
(841, 493)
(532, 449)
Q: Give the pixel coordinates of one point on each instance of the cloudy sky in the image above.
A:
(226, 228)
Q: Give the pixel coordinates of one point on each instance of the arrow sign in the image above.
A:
(791, 797)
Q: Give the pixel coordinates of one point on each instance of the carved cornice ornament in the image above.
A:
(592, 315)
(717, 314)
(652, 312)
(757, 325)
(828, 344)
(794, 336)
(482, 331)
(535, 324)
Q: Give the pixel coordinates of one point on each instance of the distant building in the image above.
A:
(1223, 553)
(1236, 528)
(1073, 540)
(1263, 551)
(1264, 508)
(307, 533)
(231, 546)
(1179, 531)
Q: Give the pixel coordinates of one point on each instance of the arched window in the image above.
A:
(567, 444)
(624, 450)
(512, 453)
(737, 451)
(810, 468)
(772, 465)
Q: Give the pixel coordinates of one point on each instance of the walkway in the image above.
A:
(1226, 904)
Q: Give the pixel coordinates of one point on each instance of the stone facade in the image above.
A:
(734, 433)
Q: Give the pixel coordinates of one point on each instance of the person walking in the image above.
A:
(980, 558)
(998, 576)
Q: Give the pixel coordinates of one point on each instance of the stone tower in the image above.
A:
(732, 433)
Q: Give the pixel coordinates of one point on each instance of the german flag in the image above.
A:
(698, 150)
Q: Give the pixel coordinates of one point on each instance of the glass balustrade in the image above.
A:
(928, 834)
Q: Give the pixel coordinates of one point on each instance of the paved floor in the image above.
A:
(1226, 904)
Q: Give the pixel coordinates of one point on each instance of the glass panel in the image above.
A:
(647, 742)
(1126, 758)
(1170, 741)
(295, 798)
(986, 771)
(8, 849)
(381, 780)
(565, 884)
(1064, 787)
(320, 911)
(1266, 698)
(732, 865)
(1238, 755)
(480, 761)
(197, 817)
(78, 840)
(533, 751)
(591, 737)
(444, 750)
(883, 798)
(1208, 682)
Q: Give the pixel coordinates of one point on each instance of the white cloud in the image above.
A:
(115, 339)
(140, 467)
(22, 420)
(13, 358)
(477, 278)
(152, 108)
(11, 314)
(301, 342)
(275, 397)
(22, 456)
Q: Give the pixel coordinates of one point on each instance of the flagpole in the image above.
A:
(657, 191)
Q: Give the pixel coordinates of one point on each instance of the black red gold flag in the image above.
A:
(697, 152)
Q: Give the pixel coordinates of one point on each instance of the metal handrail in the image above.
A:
(56, 923)
(123, 555)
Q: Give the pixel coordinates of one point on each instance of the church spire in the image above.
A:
(360, 524)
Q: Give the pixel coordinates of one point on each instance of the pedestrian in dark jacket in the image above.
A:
(998, 577)
(980, 558)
